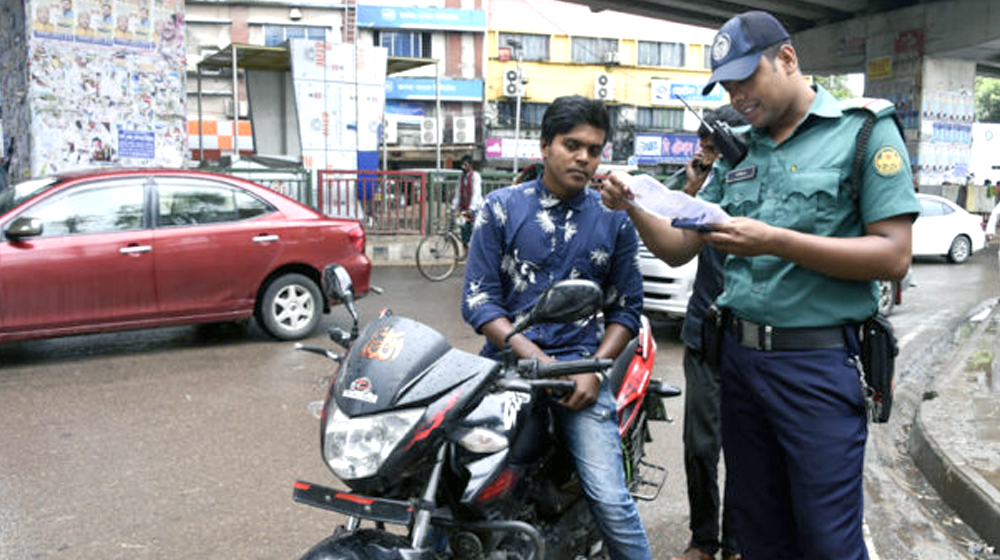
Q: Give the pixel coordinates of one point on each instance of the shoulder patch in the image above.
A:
(887, 161)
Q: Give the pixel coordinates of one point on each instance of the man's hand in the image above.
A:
(615, 194)
(587, 387)
(744, 237)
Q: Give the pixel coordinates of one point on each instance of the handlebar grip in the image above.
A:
(559, 369)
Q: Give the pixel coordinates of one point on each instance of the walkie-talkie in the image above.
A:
(731, 146)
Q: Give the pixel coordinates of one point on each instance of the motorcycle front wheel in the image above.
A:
(366, 544)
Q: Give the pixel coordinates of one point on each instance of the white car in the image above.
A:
(667, 288)
(945, 229)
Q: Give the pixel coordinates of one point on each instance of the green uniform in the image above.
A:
(802, 184)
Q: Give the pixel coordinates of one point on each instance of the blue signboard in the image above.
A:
(394, 17)
(136, 144)
(653, 148)
(667, 92)
(424, 89)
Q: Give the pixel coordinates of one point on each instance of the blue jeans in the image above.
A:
(591, 436)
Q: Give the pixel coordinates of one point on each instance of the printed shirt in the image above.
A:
(525, 239)
(801, 184)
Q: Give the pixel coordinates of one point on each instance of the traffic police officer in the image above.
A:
(803, 251)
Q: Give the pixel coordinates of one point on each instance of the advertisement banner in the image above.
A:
(657, 148)
(665, 92)
(397, 17)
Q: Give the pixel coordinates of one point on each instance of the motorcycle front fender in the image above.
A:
(366, 544)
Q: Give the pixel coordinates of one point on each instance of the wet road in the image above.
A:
(184, 442)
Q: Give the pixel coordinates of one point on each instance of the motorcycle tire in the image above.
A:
(366, 544)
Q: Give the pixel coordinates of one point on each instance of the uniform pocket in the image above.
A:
(809, 200)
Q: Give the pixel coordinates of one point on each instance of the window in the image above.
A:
(661, 54)
(661, 118)
(591, 50)
(933, 208)
(531, 113)
(191, 203)
(533, 47)
(707, 51)
(100, 209)
(410, 44)
(275, 35)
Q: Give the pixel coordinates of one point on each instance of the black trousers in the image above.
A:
(702, 447)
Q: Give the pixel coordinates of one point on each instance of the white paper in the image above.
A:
(657, 199)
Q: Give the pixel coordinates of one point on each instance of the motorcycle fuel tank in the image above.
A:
(399, 362)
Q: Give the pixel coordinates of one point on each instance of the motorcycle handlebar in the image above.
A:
(558, 386)
(534, 368)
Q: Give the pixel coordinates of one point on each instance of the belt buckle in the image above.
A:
(758, 337)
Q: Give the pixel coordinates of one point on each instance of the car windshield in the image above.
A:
(12, 196)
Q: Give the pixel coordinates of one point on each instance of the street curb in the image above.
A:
(974, 499)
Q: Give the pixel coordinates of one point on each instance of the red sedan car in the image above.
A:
(124, 249)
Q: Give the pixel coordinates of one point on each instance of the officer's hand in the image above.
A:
(587, 386)
(615, 194)
(744, 237)
(698, 168)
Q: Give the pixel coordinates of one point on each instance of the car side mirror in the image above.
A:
(563, 302)
(23, 227)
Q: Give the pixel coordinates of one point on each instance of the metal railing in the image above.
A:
(293, 182)
(387, 202)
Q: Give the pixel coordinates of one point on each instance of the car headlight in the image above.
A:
(357, 447)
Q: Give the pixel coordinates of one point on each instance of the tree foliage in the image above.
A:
(987, 100)
(835, 84)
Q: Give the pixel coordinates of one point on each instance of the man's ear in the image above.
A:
(789, 58)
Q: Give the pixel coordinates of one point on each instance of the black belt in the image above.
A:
(765, 337)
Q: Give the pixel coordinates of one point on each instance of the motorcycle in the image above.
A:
(461, 451)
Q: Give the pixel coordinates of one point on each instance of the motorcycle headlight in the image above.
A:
(357, 447)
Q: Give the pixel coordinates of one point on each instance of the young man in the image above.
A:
(702, 427)
(469, 196)
(551, 228)
(803, 251)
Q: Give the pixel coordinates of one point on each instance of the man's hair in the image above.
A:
(568, 111)
(465, 159)
(725, 114)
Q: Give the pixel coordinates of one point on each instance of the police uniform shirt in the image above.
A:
(801, 184)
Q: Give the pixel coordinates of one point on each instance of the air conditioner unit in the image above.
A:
(428, 131)
(228, 108)
(604, 87)
(611, 57)
(513, 85)
(463, 130)
(390, 131)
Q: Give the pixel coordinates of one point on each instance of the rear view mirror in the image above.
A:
(337, 283)
(563, 302)
(23, 227)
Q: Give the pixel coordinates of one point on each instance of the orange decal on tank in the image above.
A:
(384, 345)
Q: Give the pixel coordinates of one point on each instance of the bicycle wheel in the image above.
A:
(437, 256)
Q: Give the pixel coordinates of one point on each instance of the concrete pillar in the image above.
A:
(90, 83)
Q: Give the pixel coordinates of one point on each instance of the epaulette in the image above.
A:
(876, 106)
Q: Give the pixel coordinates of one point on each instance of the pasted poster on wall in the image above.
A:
(109, 87)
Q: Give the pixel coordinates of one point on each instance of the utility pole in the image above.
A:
(516, 45)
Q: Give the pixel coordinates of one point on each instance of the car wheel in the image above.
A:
(886, 296)
(290, 307)
(960, 249)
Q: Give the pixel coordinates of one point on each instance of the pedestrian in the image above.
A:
(702, 428)
(551, 228)
(804, 247)
(469, 196)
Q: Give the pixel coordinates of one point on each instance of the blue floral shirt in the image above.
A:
(525, 239)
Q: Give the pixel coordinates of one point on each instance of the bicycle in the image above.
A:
(439, 253)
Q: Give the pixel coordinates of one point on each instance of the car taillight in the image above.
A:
(357, 239)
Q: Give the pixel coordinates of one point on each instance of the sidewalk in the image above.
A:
(955, 438)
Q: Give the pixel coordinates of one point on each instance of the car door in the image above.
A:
(215, 243)
(91, 266)
(932, 229)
